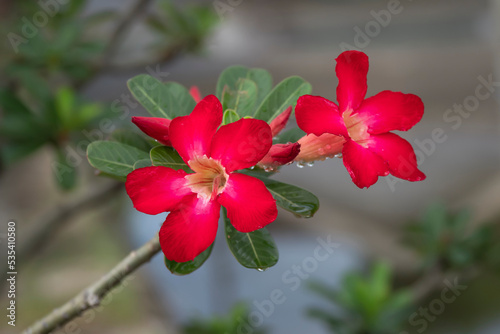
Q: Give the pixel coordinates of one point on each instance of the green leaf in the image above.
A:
(289, 136)
(64, 173)
(230, 116)
(285, 94)
(114, 158)
(292, 198)
(242, 100)
(179, 101)
(65, 102)
(142, 164)
(131, 138)
(264, 82)
(184, 268)
(167, 100)
(231, 76)
(168, 157)
(255, 250)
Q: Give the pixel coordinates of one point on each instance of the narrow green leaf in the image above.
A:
(292, 198)
(114, 158)
(64, 173)
(65, 102)
(285, 94)
(230, 116)
(255, 250)
(131, 138)
(184, 268)
(168, 157)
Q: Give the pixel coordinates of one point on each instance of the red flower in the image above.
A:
(194, 199)
(360, 127)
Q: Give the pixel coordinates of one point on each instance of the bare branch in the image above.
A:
(92, 295)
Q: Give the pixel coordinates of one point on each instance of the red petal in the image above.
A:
(314, 148)
(279, 122)
(352, 68)
(363, 165)
(389, 111)
(280, 154)
(156, 189)
(318, 115)
(190, 229)
(241, 144)
(250, 206)
(155, 127)
(398, 154)
(191, 135)
(195, 93)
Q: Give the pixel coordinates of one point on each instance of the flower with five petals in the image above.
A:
(358, 128)
(194, 199)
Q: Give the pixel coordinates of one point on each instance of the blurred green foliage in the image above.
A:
(234, 322)
(447, 240)
(53, 51)
(367, 303)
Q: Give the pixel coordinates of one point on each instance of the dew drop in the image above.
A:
(338, 155)
(300, 164)
(253, 167)
(321, 151)
(328, 147)
(310, 164)
(269, 169)
(260, 269)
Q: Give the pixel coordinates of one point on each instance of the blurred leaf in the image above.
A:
(65, 106)
(185, 268)
(168, 157)
(255, 250)
(113, 157)
(13, 151)
(285, 94)
(64, 173)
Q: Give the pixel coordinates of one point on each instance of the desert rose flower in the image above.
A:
(358, 129)
(194, 199)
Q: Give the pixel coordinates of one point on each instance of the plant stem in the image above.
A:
(92, 295)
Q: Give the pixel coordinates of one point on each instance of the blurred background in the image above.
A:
(398, 244)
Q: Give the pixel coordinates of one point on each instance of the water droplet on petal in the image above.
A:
(328, 147)
(253, 167)
(300, 164)
(321, 151)
(269, 169)
(338, 155)
(310, 164)
(260, 269)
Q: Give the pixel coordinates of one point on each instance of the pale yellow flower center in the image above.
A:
(209, 178)
(357, 130)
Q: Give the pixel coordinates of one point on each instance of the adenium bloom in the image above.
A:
(358, 128)
(194, 199)
(280, 154)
